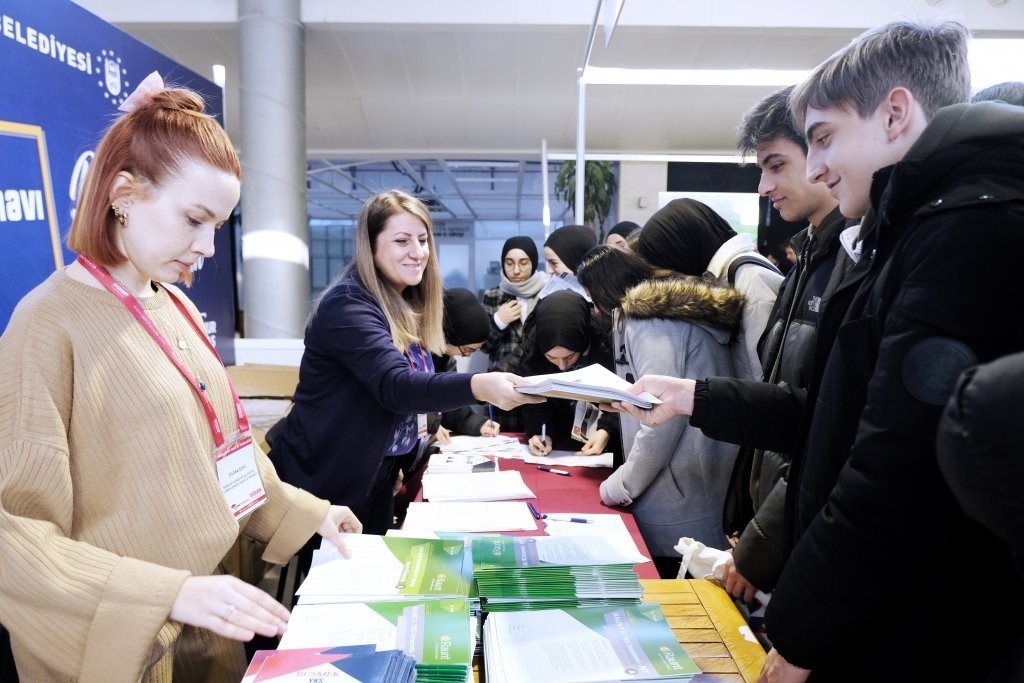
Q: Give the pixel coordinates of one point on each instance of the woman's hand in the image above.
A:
(499, 389)
(443, 436)
(509, 311)
(540, 445)
(229, 607)
(676, 396)
(595, 444)
(340, 520)
(490, 428)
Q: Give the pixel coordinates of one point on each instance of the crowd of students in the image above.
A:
(848, 431)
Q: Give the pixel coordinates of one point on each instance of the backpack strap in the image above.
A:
(744, 260)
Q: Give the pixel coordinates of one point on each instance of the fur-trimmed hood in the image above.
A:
(690, 299)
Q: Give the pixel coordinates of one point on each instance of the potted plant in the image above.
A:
(599, 185)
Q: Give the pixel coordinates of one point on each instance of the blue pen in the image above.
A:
(578, 520)
(490, 413)
(534, 511)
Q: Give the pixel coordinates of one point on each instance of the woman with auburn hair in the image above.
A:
(127, 468)
(366, 380)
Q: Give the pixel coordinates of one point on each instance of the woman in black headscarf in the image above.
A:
(565, 248)
(690, 238)
(508, 306)
(620, 233)
(563, 336)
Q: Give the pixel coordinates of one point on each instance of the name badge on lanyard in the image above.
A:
(239, 475)
(235, 457)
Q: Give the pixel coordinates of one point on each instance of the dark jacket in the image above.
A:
(461, 420)
(871, 515)
(354, 385)
(981, 458)
(787, 355)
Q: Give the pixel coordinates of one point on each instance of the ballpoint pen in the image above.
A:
(577, 520)
(534, 511)
(552, 470)
(490, 414)
(543, 433)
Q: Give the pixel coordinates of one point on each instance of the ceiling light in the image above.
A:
(599, 75)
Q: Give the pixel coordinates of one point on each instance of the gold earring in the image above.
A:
(119, 214)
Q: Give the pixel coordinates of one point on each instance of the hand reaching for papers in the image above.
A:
(443, 436)
(229, 607)
(676, 396)
(339, 521)
(595, 444)
(499, 389)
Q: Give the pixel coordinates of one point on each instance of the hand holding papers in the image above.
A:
(593, 383)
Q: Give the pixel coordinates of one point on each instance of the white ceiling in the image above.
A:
(422, 86)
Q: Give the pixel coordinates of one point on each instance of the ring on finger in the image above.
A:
(227, 612)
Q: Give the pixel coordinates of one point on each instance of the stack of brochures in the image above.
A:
(541, 572)
(388, 568)
(355, 663)
(439, 634)
(577, 645)
(594, 383)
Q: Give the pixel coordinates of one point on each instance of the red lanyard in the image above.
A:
(135, 308)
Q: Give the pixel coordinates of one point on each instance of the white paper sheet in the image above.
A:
(477, 486)
(608, 526)
(502, 516)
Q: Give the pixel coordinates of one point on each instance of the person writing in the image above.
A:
(115, 420)
(366, 380)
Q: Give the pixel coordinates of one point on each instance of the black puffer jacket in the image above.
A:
(787, 355)
(868, 592)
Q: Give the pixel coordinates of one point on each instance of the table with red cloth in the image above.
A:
(578, 492)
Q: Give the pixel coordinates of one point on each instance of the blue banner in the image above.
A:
(64, 72)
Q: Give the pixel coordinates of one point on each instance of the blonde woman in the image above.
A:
(366, 379)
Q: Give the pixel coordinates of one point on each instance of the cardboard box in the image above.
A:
(264, 381)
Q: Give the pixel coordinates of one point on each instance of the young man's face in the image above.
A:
(844, 151)
(784, 181)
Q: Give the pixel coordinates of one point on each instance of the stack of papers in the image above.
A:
(358, 663)
(462, 463)
(594, 383)
(388, 568)
(541, 572)
(485, 486)
(439, 634)
(609, 527)
(497, 446)
(621, 643)
(469, 517)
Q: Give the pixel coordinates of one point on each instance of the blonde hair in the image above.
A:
(417, 313)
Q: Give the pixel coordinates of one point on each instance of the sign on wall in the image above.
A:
(64, 73)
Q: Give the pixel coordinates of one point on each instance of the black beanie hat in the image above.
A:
(526, 244)
(624, 229)
(571, 243)
(465, 318)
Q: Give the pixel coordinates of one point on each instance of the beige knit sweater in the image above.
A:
(109, 496)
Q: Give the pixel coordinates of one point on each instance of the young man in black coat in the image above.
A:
(869, 591)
